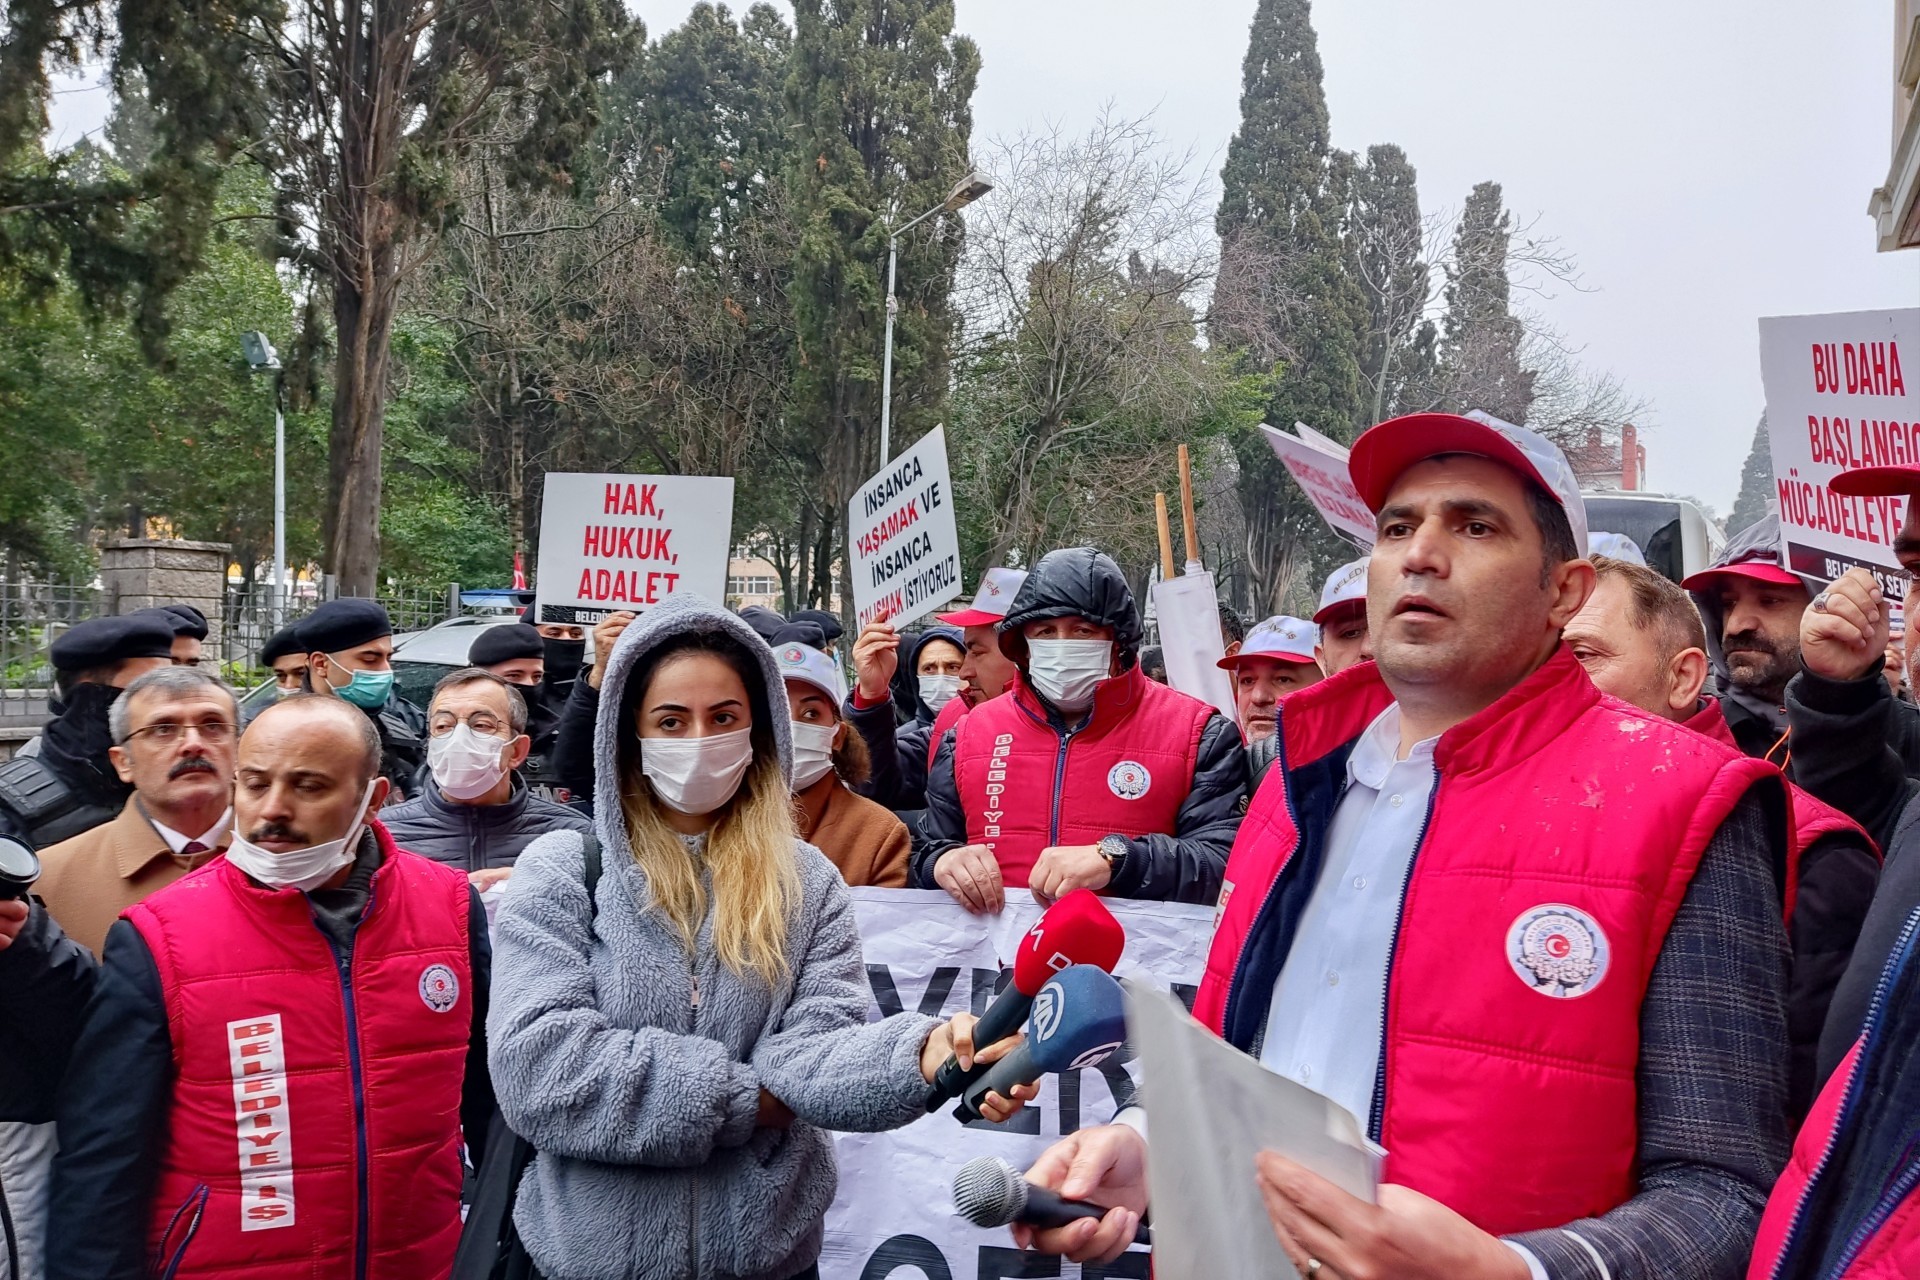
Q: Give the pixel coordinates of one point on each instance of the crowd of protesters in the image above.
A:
(1583, 889)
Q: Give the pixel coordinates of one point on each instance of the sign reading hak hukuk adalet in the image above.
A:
(612, 542)
(906, 551)
(1843, 391)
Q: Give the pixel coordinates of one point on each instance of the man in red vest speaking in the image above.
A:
(1526, 934)
(282, 1047)
(1085, 774)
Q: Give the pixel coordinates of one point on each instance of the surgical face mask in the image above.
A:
(303, 869)
(697, 775)
(938, 691)
(812, 753)
(367, 690)
(1065, 672)
(465, 762)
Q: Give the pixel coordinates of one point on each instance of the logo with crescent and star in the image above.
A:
(1558, 950)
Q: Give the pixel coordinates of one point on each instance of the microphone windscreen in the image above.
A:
(1078, 929)
(988, 1192)
(1079, 1019)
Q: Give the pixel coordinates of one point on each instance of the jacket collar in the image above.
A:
(1324, 717)
(1709, 722)
(134, 843)
(506, 811)
(811, 805)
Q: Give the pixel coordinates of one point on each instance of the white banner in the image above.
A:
(613, 542)
(894, 1214)
(1319, 466)
(900, 533)
(1191, 644)
(1838, 397)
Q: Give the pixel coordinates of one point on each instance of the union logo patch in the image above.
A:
(1558, 950)
(1129, 780)
(439, 988)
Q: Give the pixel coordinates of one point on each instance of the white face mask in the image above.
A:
(303, 869)
(938, 691)
(1065, 672)
(812, 753)
(697, 775)
(465, 762)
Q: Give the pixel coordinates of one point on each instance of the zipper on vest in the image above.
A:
(1378, 1119)
(1856, 1078)
(1232, 999)
(1064, 744)
(343, 967)
(167, 1264)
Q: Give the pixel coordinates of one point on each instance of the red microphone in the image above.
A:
(1077, 929)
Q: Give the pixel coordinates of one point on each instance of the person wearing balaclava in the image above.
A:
(350, 655)
(69, 785)
(1087, 774)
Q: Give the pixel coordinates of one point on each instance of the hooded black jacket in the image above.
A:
(899, 751)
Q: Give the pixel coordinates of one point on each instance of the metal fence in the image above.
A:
(33, 614)
(250, 616)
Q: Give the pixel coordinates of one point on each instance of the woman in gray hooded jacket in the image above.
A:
(676, 1045)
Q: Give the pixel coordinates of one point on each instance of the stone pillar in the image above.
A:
(139, 573)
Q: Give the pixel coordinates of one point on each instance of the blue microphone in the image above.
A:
(1079, 1020)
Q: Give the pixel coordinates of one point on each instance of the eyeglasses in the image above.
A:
(483, 723)
(168, 732)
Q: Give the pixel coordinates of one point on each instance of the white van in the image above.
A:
(1672, 533)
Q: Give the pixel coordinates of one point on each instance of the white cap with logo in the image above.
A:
(1345, 585)
(991, 602)
(1277, 639)
(810, 666)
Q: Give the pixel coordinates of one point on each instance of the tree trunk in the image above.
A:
(363, 314)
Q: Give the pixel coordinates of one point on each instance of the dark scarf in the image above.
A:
(74, 743)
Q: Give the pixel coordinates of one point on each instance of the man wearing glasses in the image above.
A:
(173, 742)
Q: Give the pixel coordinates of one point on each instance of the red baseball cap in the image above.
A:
(1383, 453)
(1876, 482)
(998, 587)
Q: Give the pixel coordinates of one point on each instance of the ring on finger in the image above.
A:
(1820, 601)
(1313, 1266)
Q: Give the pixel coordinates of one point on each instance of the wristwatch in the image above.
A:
(1114, 849)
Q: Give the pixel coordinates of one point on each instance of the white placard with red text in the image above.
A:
(613, 542)
(1843, 391)
(1319, 466)
(893, 1216)
(901, 536)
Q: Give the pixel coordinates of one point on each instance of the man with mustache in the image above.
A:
(284, 1048)
(1752, 605)
(1526, 934)
(173, 734)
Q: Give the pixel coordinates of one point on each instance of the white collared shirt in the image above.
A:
(1326, 1023)
(210, 838)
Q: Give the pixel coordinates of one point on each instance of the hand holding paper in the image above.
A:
(1406, 1235)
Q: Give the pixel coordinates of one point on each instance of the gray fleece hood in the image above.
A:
(680, 615)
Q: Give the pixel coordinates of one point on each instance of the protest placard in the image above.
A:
(894, 1214)
(1320, 468)
(900, 533)
(612, 542)
(1838, 397)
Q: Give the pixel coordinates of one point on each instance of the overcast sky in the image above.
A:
(1708, 162)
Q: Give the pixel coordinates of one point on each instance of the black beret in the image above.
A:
(763, 620)
(283, 643)
(103, 642)
(828, 623)
(805, 633)
(183, 618)
(339, 625)
(504, 644)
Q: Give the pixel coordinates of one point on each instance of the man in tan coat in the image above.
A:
(173, 740)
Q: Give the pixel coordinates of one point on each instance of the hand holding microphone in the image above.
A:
(988, 1192)
(1079, 1020)
(1076, 930)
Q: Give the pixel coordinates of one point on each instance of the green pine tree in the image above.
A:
(1756, 483)
(1398, 370)
(1480, 342)
(879, 101)
(1300, 311)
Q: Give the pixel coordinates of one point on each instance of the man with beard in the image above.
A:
(1752, 606)
(69, 786)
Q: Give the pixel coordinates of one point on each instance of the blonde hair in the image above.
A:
(749, 851)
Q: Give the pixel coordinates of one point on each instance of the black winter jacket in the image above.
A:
(572, 757)
(1186, 866)
(403, 742)
(1844, 753)
(46, 979)
(472, 837)
(898, 752)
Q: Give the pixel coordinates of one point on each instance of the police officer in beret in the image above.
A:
(189, 631)
(349, 647)
(518, 654)
(70, 786)
(285, 654)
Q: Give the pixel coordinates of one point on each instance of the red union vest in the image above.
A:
(1565, 829)
(263, 1169)
(1026, 787)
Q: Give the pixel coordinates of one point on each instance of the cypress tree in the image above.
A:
(1480, 344)
(1756, 483)
(1388, 232)
(1282, 223)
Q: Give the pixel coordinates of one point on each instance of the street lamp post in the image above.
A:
(965, 192)
(262, 357)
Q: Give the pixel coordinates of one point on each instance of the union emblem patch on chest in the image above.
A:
(1558, 950)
